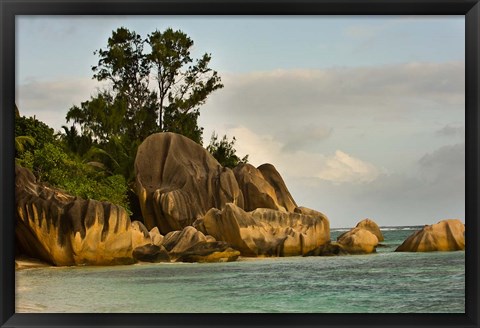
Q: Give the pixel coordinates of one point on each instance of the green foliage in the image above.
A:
(183, 123)
(183, 86)
(75, 143)
(52, 165)
(35, 129)
(224, 152)
(117, 121)
(21, 143)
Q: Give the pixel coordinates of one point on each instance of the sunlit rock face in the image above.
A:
(56, 227)
(358, 241)
(191, 245)
(446, 235)
(363, 239)
(371, 226)
(266, 232)
(180, 184)
(178, 181)
(263, 187)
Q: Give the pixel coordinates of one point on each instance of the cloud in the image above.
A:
(449, 130)
(431, 190)
(337, 168)
(305, 137)
(342, 167)
(444, 165)
(291, 103)
(50, 100)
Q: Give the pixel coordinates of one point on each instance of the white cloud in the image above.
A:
(339, 167)
(342, 167)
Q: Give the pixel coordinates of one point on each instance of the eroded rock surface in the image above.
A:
(266, 232)
(209, 251)
(191, 245)
(358, 241)
(64, 230)
(446, 235)
(263, 189)
(178, 181)
(151, 253)
(371, 226)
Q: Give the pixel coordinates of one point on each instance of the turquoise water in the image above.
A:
(383, 282)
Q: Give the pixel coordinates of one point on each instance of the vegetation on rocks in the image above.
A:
(153, 85)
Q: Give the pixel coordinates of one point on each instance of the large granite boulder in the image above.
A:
(178, 181)
(284, 198)
(371, 226)
(358, 241)
(263, 187)
(60, 229)
(446, 235)
(176, 242)
(266, 232)
(191, 245)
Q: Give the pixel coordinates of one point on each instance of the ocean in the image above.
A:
(384, 282)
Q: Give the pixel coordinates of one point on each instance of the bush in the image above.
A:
(224, 151)
(52, 165)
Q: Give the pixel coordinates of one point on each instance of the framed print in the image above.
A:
(241, 163)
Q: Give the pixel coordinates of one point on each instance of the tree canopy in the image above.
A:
(134, 108)
(154, 84)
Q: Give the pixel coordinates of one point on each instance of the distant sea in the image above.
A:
(385, 282)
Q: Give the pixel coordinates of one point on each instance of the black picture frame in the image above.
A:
(10, 8)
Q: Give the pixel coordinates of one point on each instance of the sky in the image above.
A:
(363, 116)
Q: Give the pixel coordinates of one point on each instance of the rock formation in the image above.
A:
(266, 232)
(191, 245)
(209, 251)
(178, 181)
(363, 239)
(151, 253)
(64, 230)
(263, 187)
(446, 235)
(371, 226)
(358, 241)
(331, 248)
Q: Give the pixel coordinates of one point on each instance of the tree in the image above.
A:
(182, 86)
(224, 152)
(77, 144)
(34, 129)
(119, 119)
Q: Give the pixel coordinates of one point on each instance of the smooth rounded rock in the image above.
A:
(446, 235)
(178, 181)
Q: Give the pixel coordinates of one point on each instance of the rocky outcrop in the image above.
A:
(178, 181)
(371, 226)
(64, 230)
(284, 198)
(210, 251)
(177, 242)
(266, 232)
(263, 187)
(191, 245)
(363, 239)
(358, 241)
(151, 253)
(332, 248)
(156, 237)
(446, 235)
